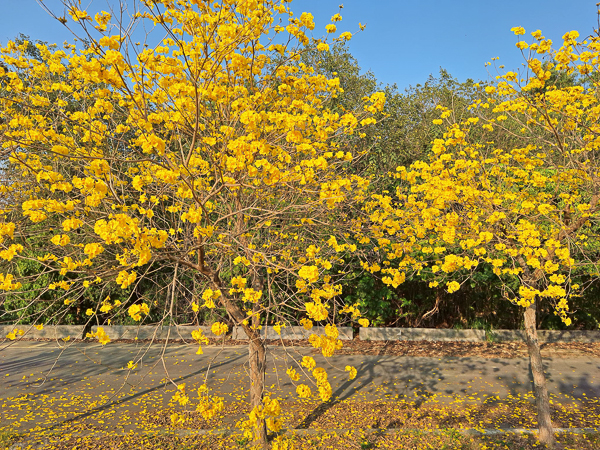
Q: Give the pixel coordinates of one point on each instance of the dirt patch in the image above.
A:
(405, 348)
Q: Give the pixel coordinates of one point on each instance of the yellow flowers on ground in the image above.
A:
(294, 376)
(180, 395)
(351, 372)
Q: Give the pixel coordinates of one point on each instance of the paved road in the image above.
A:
(51, 388)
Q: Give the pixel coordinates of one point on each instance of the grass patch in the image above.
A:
(8, 438)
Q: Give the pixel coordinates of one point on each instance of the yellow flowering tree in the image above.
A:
(515, 187)
(213, 153)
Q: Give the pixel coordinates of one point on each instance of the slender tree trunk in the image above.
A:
(546, 431)
(257, 350)
(258, 361)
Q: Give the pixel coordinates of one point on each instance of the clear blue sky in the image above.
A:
(404, 41)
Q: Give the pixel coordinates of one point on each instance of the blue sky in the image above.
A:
(404, 41)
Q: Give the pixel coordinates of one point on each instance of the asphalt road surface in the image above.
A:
(44, 387)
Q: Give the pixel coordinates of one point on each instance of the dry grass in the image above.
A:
(360, 440)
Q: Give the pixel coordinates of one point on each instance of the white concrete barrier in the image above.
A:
(48, 332)
(583, 336)
(420, 334)
(148, 332)
(292, 332)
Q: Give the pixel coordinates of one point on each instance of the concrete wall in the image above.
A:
(588, 336)
(152, 332)
(296, 333)
(420, 334)
(49, 332)
(437, 334)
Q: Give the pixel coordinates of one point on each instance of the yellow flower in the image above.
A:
(310, 273)
(306, 323)
(131, 365)
(316, 311)
(277, 327)
(307, 20)
(352, 372)
(210, 304)
(125, 278)
(325, 391)
(134, 312)
(78, 14)
(518, 30)
(100, 335)
(363, 322)
(60, 239)
(331, 331)
(219, 328)
(522, 45)
(537, 34)
(294, 376)
(308, 362)
(452, 286)
(331, 28)
(303, 391)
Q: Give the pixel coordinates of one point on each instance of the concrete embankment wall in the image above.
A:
(148, 332)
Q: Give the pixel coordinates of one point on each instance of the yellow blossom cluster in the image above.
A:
(217, 152)
(136, 310)
(99, 334)
(517, 205)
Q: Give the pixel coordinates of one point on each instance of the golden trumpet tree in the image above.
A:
(515, 187)
(214, 152)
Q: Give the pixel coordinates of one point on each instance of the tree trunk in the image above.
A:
(258, 361)
(546, 431)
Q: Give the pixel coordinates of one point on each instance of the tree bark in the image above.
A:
(546, 431)
(258, 361)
